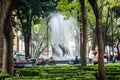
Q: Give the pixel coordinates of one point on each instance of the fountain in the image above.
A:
(64, 37)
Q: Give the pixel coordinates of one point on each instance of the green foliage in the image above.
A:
(113, 61)
(24, 78)
(3, 76)
(68, 8)
(28, 11)
(27, 72)
(116, 11)
(58, 78)
(36, 7)
(113, 3)
(90, 16)
(68, 72)
(38, 32)
(88, 77)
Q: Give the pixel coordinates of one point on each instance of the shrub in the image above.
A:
(24, 78)
(117, 77)
(88, 77)
(59, 78)
(3, 76)
(110, 77)
(113, 73)
(26, 72)
(113, 61)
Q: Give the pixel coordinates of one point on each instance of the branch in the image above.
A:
(94, 5)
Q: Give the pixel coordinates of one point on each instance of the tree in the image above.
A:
(116, 11)
(6, 27)
(84, 23)
(27, 10)
(1, 47)
(98, 15)
(72, 9)
(38, 38)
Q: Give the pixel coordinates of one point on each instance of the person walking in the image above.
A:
(15, 57)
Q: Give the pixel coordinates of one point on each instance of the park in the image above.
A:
(59, 40)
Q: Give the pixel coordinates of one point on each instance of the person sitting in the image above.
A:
(51, 61)
(76, 61)
(95, 58)
(41, 61)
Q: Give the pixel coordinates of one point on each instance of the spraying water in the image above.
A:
(65, 33)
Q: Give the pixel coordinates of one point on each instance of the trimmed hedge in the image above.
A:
(66, 72)
(26, 72)
(3, 76)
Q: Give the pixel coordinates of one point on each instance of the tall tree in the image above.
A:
(98, 15)
(26, 11)
(115, 14)
(6, 27)
(1, 47)
(84, 23)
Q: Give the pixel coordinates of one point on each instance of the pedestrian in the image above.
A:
(15, 57)
(51, 61)
(95, 58)
(76, 61)
(41, 61)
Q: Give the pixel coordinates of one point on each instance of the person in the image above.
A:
(76, 61)
(41, 61)
(115, 56)
(95, 58)
(15, 57)
(51, 61)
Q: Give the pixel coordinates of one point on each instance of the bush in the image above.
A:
(3, 76)
(110, 77)
(112, 73)
(88, 77)
(24, 78)
(74, 79)
(26, 72)
(92, 68)
(59, 78)
(113, 61)
(117, 77)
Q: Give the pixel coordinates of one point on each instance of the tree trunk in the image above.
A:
(8, 49)
(9, 38)
(118, 51)
(81, 36)
(27, 36)
(1, 47)
(94, 41)
(98, 15)
(100, 47)
(6, 27)
(26, 29)
(17, 41)
(84, 22)
(27, 43)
